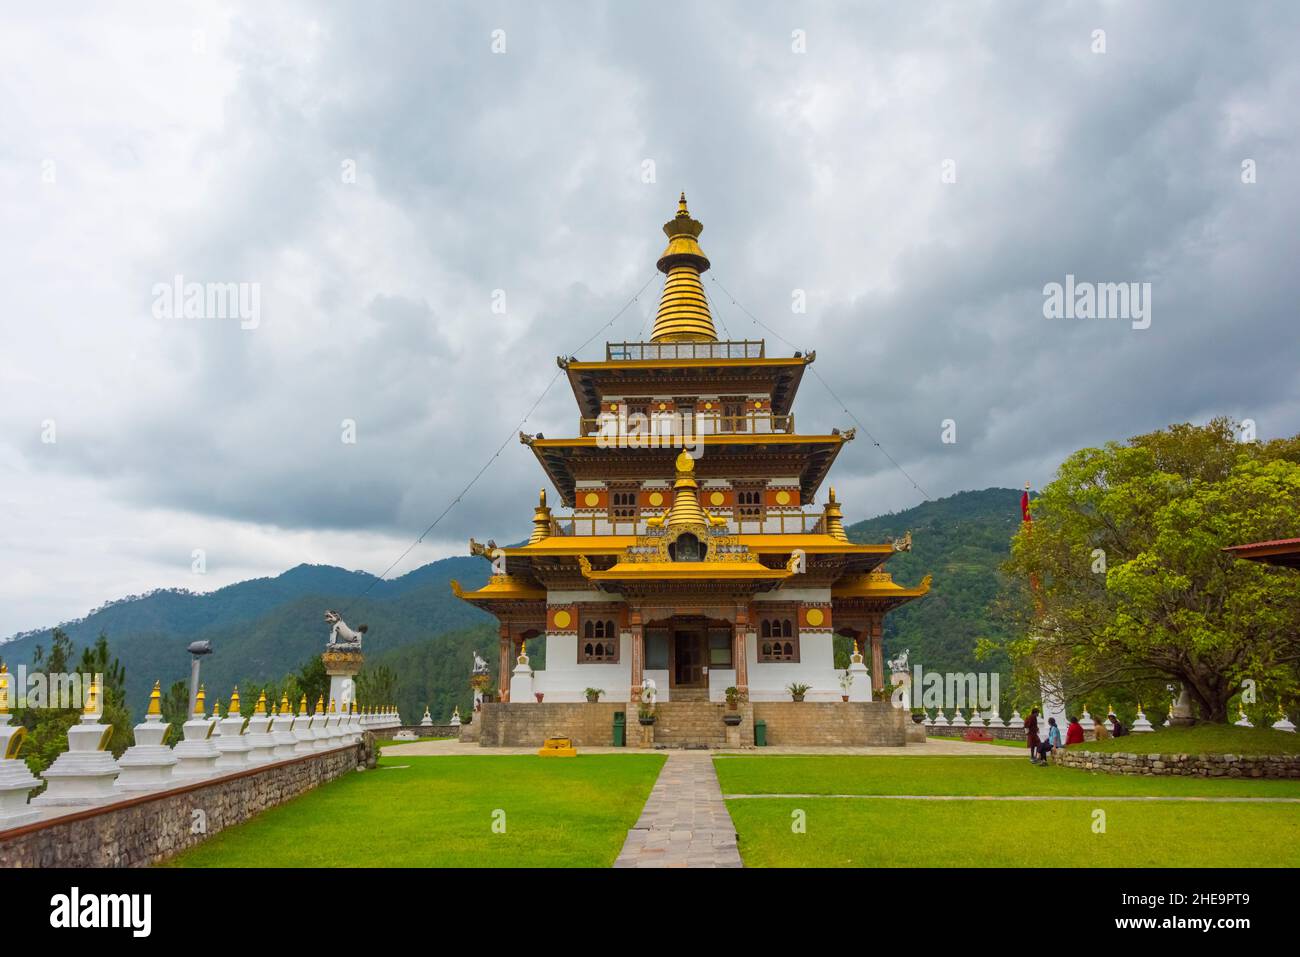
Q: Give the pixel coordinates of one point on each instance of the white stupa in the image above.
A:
(84, 773)
(1283, 723)
(16, 781)
(995, 721)
(1242, 721)
(928, 722)
(940, 721)
(1087, 722)
(196, 755)
(427, 720)
(455, 717)
(261, 742)
(976, 719)
(1140, 723)
(957, 720)
(1016, 721)
(304, 738)
(148, 764)
(232, 742)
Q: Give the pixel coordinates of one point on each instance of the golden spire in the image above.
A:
(332, 709)
(320, 705)
(155, 699)
(302, 705)
(686, 508)
(4, 688)
(541, 520)
(92, 698)
(260, 707)
(216, 709)
(683, 309)
(199, 703)
(234, 702)
(284, 703)
(835, 519)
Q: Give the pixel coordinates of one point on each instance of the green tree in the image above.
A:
(176, 709)
(1132, 584)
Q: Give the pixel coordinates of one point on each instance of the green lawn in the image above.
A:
(439, 812)
(881, 833)
(1202, 739)
(854, 774)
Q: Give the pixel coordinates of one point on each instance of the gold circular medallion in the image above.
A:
(613, 407)
(662, 406)
(656, 499)
(717, 498)
(782, 498)
(562, 619)
(708, 405)
(591, 500)
(815, 617)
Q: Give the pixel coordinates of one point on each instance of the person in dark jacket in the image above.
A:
(1031, 735)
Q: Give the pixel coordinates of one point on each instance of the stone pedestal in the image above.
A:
(860, 690)
(521, 682)
(733, 735)
(196, 755)
(342, 665)
(261, 744)
(647, 739)
(147, 765)
(902, 698)
(83, 774)
(304, 736)
(320, 735)
(16, 781)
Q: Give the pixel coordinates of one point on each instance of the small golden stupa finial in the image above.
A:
(216, 708)
(835, 519)
(260, 707)
(302, 705)
(200, 705)
(92, 698)
(332, 709)
(284, 702)
(4, 688)
(541, 520)
(155, 699)
(234, 701)
(320, 705)
(683, 308)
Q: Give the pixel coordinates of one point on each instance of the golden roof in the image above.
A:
(879, 585)
(501, 587)
(814, 543)
(683, 309)
(689, 571)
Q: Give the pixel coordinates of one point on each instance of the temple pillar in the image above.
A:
(876, 628)
(507, 662)
(739, 654)
(638, 654)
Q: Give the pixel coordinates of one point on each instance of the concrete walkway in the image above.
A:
(684, 823)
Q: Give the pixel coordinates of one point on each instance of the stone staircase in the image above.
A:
(690, 694)
(697, 724)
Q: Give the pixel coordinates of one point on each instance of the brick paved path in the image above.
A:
(684, 823)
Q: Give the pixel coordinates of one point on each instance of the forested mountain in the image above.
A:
(265, 628)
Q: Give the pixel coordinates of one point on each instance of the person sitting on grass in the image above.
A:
(1052, 742)
(1117, 728)
(1100, 730)
(1074, 733)
(1031, 735)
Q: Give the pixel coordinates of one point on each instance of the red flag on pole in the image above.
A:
(1024, 505)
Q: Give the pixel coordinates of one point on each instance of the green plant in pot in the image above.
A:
(645, 712)
(734, 697)
(593, 694)
(798, 689)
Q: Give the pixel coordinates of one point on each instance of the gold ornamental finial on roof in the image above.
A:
(216, 709)
(4, 688)
(683, 308)
(332, 709)
(302, 705)
(686, 508)
(541, 520)
(155, 699)
(234, 702)
(284, 702)
(835, 519)
(320, 705)
(260, 707)
(200, 705)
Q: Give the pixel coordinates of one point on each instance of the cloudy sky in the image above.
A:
(379, 170)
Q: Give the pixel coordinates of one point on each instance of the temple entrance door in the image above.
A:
(689, 659)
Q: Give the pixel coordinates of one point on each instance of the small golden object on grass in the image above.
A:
(558, 748)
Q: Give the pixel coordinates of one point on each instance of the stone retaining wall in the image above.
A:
(145, 829)
(833, 723)
(1194, 765)
(523, 725)
(421, 731)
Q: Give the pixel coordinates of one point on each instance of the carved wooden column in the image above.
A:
(876, 626)
(739, 653)
(637, 652)
(503, 675)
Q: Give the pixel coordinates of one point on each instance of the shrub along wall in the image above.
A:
(148, 828)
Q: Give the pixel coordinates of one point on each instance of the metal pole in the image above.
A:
(194, 684)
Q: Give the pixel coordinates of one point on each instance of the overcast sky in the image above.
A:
(140, 142)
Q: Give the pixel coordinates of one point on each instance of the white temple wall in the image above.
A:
(563, 679)
(815, 667)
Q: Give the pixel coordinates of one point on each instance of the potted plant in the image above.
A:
(538, 696)
(918, 716)
(846, 682)
(593, 694)
(645, 712)
(734, 698)
(798, 689)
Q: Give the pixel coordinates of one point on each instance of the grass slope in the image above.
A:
(439, 812)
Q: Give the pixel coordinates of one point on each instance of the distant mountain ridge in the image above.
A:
(263, 628)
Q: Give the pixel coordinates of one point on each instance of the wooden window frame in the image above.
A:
(600, 632)
(778, 630)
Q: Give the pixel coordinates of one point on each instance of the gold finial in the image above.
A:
(686, 508)
(683, 308)
(685, 463)
(234, 701)
(320, 705)
(260, 707)
(835, 519)
(216, 709)
(541, 520)
(4, 688)
(332, 710)
(352, 708)
(155, 699)
(302, 705)
(200, 705)
(284, 702)
(92, 698)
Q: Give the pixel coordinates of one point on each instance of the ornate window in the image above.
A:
(749, 503)
(686, 548)
(599, 643)
(778, 639)
(622, 504)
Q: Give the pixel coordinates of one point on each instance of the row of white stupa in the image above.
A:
(88, 774)
(1086, 721)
